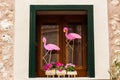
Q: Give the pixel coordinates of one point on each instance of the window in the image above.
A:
(51, 27)
(50, 24)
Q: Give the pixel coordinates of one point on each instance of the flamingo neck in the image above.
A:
(44, 44)
(66, 33)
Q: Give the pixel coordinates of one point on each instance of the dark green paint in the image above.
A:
(32, 36)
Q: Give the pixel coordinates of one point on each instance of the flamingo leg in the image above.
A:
(45, 56)
(72, 51)
(68, 41)
(72, 47)
(50, 56)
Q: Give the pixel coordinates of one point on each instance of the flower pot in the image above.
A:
(61, 73)
(71, 73)
(50, 72)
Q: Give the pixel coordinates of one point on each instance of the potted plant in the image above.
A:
(60, 70)
(49, 69)
(115, 66)
(70, 68)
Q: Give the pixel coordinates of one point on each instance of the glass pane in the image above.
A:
(51, 32)
(75, 46)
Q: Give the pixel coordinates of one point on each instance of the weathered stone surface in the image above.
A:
(6, 39)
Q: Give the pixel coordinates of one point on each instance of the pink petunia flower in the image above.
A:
(59, 66)
(47, 66)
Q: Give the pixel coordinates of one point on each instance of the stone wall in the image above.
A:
(114, 35)
(114, 26)
(6, 39)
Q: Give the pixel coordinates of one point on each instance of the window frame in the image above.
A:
(90, 34)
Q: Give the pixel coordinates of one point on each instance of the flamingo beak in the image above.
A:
(64, 30)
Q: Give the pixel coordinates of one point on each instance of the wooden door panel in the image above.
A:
(77, 24)
(52, 28)
(77, 50)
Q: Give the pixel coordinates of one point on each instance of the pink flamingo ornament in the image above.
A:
(71, 37)
(50, 48)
